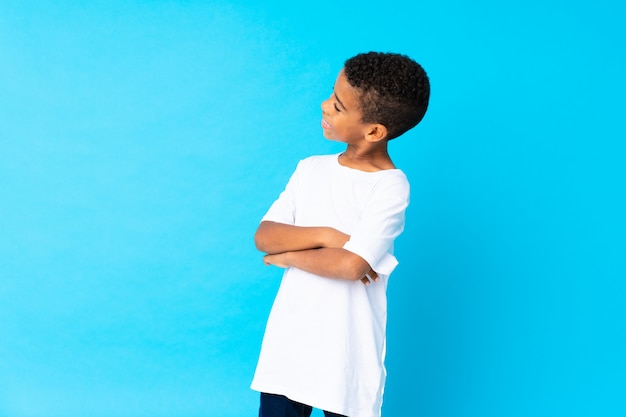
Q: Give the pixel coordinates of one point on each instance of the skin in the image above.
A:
(319, 250)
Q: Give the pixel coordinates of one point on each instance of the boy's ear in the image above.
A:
(376, 133)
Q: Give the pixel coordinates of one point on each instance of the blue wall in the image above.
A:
(141, 142)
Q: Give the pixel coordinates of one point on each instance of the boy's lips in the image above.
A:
(325, 124)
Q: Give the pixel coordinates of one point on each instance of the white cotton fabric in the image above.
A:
(324, 342)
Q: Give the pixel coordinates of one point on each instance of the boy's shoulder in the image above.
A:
(319, 161)
(322, 158)
(321, 165)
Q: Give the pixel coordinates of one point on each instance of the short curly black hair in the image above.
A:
(394, 90)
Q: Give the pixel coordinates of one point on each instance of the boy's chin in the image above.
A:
(330, 137)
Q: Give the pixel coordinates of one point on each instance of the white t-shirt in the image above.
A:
(324, 343)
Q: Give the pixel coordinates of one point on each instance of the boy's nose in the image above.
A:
(324, 106)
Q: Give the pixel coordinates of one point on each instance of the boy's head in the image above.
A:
(394, 90)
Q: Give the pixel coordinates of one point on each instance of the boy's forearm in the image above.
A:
(325, 262)
(272, 237)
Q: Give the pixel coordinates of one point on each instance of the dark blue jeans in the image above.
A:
(273, 405)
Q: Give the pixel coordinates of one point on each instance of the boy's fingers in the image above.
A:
(266, 260)
(372, 275)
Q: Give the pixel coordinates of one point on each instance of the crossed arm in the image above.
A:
(318, 250)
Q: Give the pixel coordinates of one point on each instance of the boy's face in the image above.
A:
(341, 116)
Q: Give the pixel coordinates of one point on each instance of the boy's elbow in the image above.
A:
(264, 237)
(260, 242)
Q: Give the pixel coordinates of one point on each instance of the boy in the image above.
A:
(333, 229)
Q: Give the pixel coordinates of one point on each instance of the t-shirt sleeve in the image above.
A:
(381, 222)
(283, 210)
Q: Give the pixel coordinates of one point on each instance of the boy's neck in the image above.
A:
(369, 160)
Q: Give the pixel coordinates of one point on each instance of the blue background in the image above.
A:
(141, 142)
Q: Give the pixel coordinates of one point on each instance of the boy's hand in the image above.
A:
(277, 259)
(335, 238)
(370, 275)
